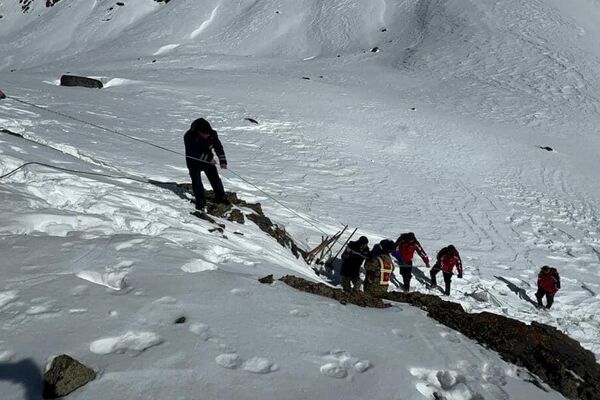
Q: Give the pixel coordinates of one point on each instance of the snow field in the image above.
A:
(437, 133)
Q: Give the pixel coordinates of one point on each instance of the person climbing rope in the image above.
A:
(446, 260)
(548, 284)
(379, 268)
(406, 245)
(354, 255)
(200, 141)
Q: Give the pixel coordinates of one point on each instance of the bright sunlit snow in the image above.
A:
(439, 132)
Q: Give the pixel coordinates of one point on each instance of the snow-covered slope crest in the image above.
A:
(289, 28)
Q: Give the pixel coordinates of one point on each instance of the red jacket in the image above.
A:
(406, 251)
(448, 259)
(549, 281)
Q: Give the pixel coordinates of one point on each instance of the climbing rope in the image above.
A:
(74, 171)
(81, 121)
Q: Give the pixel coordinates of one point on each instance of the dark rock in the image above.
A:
(236, 216)
(73, 80)
(383, 30)
(546, 148)
(203, 216)
(252, 120)
(223, 210)
(306, 77)
(413, 108)
(50, 3)
(153, 61)
(375, 49)
(119, 3)
(555, 358)
(267, 279)
(360, 299)
(180, 320)
(65, 376)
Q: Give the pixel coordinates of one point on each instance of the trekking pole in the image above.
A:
(345, 243)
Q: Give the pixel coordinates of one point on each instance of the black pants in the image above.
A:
(406, 272)
(213, 177)
(540, 295)
(447, 278)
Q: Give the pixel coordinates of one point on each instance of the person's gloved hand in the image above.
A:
(426, 261)
(459, 276)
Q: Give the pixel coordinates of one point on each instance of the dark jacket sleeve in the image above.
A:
(420, 251)
(218, 146)
(556, 278)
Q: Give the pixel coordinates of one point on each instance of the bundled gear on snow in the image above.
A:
(447, 258)
(200, 142)
(379, 268)
(548, 284)
(406, 245)
(353, 257)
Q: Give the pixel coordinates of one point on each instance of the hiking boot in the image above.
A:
(223, 201)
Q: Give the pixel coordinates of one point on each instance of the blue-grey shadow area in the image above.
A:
(517, 290)
(25, 373)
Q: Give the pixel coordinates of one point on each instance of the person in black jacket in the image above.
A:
(200, 142)
(355, 253)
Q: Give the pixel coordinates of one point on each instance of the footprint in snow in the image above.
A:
(228, 360)
(202, 330)
(260, 365)
(129, 342)
(340, 363)
(299, 313)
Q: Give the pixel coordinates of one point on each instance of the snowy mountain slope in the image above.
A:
(86, 274)
(490, 81)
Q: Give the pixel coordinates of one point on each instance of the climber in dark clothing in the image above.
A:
(200, 141)
(354, 255)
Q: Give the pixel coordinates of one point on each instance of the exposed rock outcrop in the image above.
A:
(65, 376)
(359, 299)
(233, 212)
(555, 358)
(547, 353)
(74, 80)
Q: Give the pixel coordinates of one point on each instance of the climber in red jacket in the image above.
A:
(548, 285)
(406, 245)
(447, 259)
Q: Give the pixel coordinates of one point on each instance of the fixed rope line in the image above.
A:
(67, 116)
(75, 171)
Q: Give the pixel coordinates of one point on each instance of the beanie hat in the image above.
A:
(387, 246)
(363, 240)
(202, 125)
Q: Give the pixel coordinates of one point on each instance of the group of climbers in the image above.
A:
(379, 267)
(379, 264)
(200, 143)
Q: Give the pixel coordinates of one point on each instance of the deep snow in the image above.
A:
(100, 268)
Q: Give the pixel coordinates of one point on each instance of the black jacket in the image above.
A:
(202, 149)
(353, 258)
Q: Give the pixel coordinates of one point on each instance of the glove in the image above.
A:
(426, 261)
(459, 276)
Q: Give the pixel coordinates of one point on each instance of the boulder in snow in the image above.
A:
(65, 376)
(74, 80)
